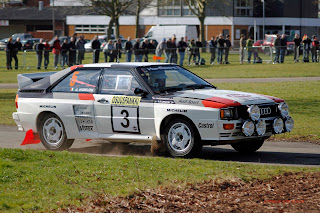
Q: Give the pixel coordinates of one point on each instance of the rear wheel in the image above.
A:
(248, 146)
(181, 138)
(52, 133)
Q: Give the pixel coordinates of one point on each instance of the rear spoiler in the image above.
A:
(29, 78)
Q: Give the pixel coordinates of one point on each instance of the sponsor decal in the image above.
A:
(161, 68)
(84, 123)
(163, 100)
(239, 95)
(205, 126)
(188, 101)
(125, 101)
(83, 110)
(177, 110)
(265, 111)
(86, 97)
(48, 106)
(84, 89)
(253, 99)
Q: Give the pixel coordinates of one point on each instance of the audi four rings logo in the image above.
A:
(265, 111)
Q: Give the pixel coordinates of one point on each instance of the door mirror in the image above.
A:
(141, 92)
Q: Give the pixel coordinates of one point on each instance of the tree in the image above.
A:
(113, 9)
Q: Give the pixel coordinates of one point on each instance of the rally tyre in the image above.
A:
(248, 146)
(52, 133)
(181, 138)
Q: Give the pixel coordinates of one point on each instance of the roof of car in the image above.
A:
(126, 64)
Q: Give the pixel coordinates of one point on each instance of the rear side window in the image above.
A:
(79, 81)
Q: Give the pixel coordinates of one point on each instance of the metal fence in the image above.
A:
(28, 59)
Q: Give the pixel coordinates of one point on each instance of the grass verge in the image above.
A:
(42, 180)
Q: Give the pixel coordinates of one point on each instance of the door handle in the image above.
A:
(103, 101)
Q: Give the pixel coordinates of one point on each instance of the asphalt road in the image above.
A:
(276, 153)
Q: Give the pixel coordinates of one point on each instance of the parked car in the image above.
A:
(258, 44)
(3, 43)
(269, 39)
(22, 36)
(28, 44)
(123, 41)
(61, 38)
(143, 102)
(101, 38)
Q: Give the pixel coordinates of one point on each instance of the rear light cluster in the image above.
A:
(17, 101)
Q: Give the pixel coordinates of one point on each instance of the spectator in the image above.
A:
(242, 46)
(191, 50)
(297, 41)
(197, 51)
(213, 49)
(152, 47)
(182, 45)
(283, 48)
(96, 49)
(144, 46)
(169, 50)
(277, 46)
(47, 49)
(40, 47)
(174, 56)
(220, 45)
(116, 52)
(80, 49)
(56, 48)
(137, 51)
(128, 47)
(72, 52)
(228, 46)
(249, 48)
(64, 53)
(17, 48)
(306, 48)
(315, 46)
(107, 50)
(161, 48)
(9, 52)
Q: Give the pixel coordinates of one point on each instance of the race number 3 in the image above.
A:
(125, 119)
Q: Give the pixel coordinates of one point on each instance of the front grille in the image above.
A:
(266, 111)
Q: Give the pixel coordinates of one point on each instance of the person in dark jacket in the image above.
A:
(72, 52)
(137, 51)
(213, 48)
(315, 47)
(56, 48)
(128, 48)
(220, 45)
(197, 51)
(169, 50)
(182, 45)
(297, 42)
(174, 56)
(47, 49)
(96, 49)
(80, 49)
(117, 51)
(277, 46)
(283, 48)
(152, 47)
(17, 48)
(9, 52)
(64, 53)
(144, 46)
(306, 47)
(39, 51)
(228, 46)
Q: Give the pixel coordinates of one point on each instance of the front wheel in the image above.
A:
(248, 146)
(181, 138)
(52, 133)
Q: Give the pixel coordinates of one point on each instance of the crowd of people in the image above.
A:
(69, 53)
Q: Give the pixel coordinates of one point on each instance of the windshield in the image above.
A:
(171, 78)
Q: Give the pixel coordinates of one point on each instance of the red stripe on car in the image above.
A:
(275, 99)
(75, 66)
(217, 102)
(83, 96)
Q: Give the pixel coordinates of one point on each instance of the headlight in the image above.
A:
(226, 113)
(284, 109)
(289, 123)
(248, 128)
(261, 127)
(278, 125)
(254, 112)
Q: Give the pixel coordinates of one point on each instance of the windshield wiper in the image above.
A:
(199, 86)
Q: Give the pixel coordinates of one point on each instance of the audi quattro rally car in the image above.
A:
(144, 102)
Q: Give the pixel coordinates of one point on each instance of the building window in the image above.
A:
(174, 8)
(91, 28)
(243, 8)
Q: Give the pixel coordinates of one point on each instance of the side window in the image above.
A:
(79, 81)
(118, 82)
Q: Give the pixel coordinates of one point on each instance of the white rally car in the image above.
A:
(144, 102)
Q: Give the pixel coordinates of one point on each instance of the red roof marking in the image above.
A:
(31, 138)
(88, 139)
(217, 102)
(275, 99)
(75, 66)
(84, 96)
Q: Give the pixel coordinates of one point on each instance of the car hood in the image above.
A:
(227, 98)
